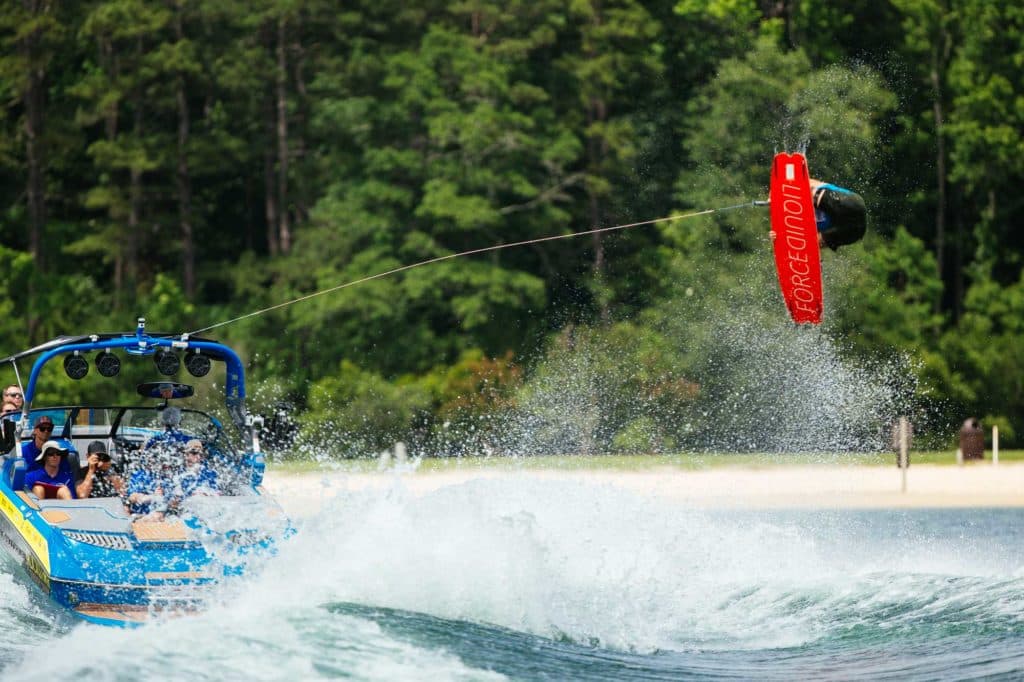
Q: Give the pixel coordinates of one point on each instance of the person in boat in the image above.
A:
(9, 416)
(150, 486)
(30, 450)
(99, 480)
(840, 213)
(10, 413)
(172, 437)
(8, 428)
(52, 480)
(13, 401)
(198, 477)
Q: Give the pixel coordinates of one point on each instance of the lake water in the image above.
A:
(530, 579)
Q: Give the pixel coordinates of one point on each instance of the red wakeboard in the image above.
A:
(797, 256)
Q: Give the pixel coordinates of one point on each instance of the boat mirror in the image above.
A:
(108, 364)
(75, 366)
(165, 390)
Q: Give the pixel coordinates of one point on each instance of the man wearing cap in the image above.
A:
(98, 480)
(30, 450)
(52, 480)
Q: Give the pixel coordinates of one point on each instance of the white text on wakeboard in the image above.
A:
(797, 253)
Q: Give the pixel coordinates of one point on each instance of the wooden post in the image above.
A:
(995, 444)
(904, 461)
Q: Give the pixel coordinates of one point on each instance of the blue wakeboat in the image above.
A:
(94, 556)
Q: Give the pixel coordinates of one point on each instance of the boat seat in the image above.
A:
(10, 437)
(18, 474)
(75, 464)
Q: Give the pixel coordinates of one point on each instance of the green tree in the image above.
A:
(986, 344)
(436, 149)
(889, 305)
(361, 411)
(598, 390)
(615, 59)
(32, 33)
(987, 145)
(111, 90)
(930, 37)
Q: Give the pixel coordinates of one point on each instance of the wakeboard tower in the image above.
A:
(797, 255)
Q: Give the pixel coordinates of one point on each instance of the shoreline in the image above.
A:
(776, 487)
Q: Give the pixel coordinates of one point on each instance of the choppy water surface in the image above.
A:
(531, 579)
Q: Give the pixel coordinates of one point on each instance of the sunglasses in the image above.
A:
(45, 427)
(13, 395)
(54, 453)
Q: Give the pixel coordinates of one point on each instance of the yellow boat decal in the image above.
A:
(32, 536)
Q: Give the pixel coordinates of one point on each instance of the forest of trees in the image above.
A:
(191, 161)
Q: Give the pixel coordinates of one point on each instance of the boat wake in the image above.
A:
(523, 577)
(603, 566)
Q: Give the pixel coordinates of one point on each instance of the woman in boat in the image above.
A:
(52, 480)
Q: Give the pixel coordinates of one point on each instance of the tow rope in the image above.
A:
(496, 247)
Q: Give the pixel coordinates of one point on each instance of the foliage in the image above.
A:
(988, 343)
(285, 149)
(359, 412)
(604, 389)
(474, 385)
(900, 317)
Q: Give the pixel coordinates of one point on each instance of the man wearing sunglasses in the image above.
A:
(13, 399)
(13, 394)
(30, 450)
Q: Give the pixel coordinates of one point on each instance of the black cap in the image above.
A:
(97, 447)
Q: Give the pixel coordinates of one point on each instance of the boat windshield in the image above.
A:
(130, 432)
(138, 424)
(133, 425)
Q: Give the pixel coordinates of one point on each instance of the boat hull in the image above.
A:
(125, 572)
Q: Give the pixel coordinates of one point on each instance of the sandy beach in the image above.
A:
(817, 486)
